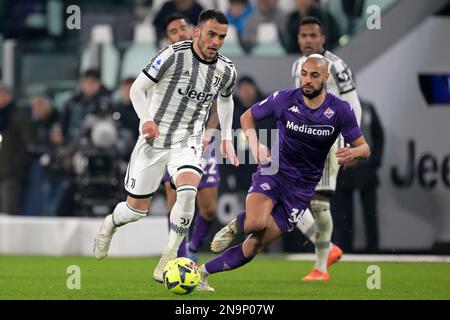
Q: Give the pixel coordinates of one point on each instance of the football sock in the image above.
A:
(182, 248)
(324, 229)
(307, 226)
(230, 259)
(181, 217)
(199, 233)
(240, 223)
(122, 214)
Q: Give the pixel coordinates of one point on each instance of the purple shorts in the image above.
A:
(211, 176)
(289, 199)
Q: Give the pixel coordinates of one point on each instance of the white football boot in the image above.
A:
(165, 258)
(103, 238)
(203, 284)
(223, 238)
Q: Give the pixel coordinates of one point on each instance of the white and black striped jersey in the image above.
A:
(185, 88)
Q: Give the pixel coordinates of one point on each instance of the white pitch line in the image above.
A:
(374, 258)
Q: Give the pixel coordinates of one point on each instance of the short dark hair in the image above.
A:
(212, 14)
(92, 73)
(173, 17)
(311, 20)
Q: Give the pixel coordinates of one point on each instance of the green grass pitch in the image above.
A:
(267, 277)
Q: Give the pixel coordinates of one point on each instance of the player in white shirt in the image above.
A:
(183, 79)
(178, 29)
(318, 226)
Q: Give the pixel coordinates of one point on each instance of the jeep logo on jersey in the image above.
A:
(191, 93)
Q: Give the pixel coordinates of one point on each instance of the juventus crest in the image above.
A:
(216, 81)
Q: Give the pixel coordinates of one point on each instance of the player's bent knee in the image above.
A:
(139, 204)
(186, 198)
(253, 226)
(187, 175)
(322, 214)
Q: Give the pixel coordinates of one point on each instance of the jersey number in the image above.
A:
(296, 215)
(212, 166)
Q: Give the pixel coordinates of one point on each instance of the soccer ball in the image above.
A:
(181, 275)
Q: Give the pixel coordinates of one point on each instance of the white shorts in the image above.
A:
(330, 171)
(148, 164)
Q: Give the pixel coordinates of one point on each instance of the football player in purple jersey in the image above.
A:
(309, 120)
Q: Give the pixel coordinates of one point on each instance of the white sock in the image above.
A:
(122, 214)
(324, 229)
(181, 217)
(307, 226)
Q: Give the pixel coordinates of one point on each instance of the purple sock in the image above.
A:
(182, 249)
(240, 222)
(199, 233)
(230, 259)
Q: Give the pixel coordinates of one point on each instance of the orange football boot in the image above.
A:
(316, 275)
(334, 255)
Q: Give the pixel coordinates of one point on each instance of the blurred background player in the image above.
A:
(311, 8)
(362, 177)
(16, 136)
(45, 174)
(172, 130)
(91, 98)
(318, 227)
(188, 8)
(276, 202)
(178, 29)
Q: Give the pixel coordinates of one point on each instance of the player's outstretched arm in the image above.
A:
(260, 152)
(138, 96)
(359, 150)
(225, 108)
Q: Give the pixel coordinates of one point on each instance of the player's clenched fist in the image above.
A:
(150, 130)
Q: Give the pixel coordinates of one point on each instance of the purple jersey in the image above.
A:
(306, 135)
(305, 138)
